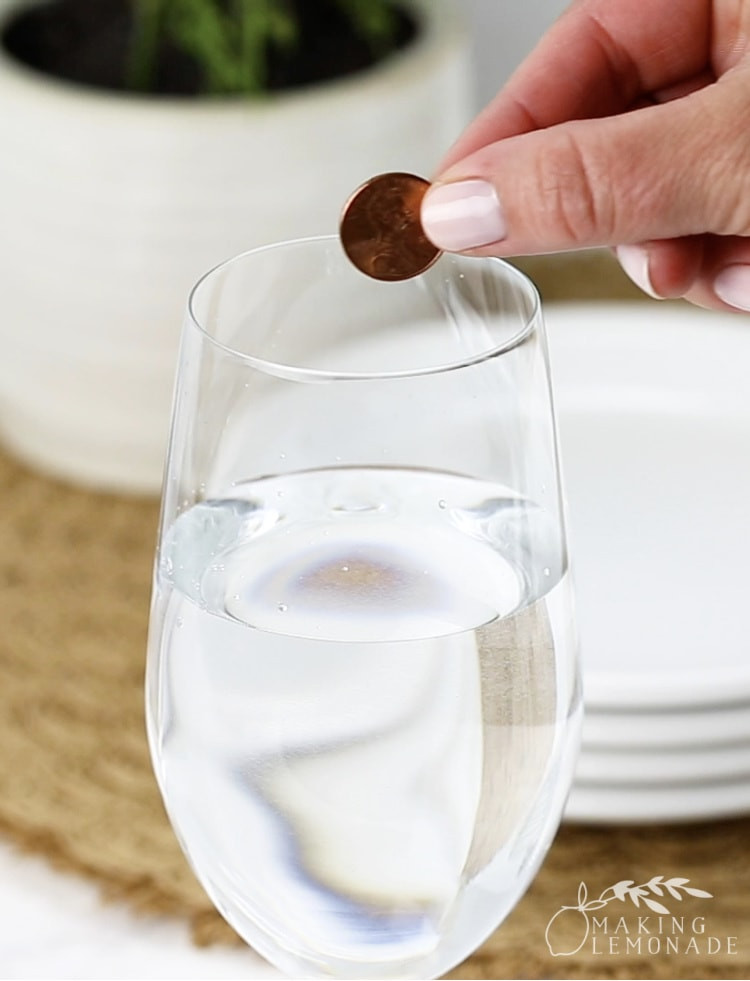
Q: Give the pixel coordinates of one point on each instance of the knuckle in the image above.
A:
(728, 206)
(574, 187)
(722, 183)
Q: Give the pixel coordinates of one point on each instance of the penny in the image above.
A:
(381, 231)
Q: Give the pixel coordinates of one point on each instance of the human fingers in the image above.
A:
(666, 171)
(596, 60)
(666, 268)
(708, 270)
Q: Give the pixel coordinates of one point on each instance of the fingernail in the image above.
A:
(634, 261)
(463, 215)
(732, 285)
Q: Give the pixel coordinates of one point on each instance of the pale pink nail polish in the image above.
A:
(732, 285)
(463, 215)
(634, 261)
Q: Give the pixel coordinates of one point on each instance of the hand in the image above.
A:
(627, 126)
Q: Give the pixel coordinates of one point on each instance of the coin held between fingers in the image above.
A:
(381, 231)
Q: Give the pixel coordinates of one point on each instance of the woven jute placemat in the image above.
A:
(76, 784)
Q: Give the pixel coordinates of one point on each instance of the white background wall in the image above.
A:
(504, 31)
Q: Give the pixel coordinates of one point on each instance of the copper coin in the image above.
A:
(381, 231)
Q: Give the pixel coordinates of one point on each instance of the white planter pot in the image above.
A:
(113, 205)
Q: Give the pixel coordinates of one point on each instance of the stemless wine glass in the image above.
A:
(363, 696)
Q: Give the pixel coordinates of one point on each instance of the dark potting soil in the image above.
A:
(87, 42)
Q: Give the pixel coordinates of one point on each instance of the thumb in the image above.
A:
(664, 171)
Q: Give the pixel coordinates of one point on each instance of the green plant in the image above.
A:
(231, 40)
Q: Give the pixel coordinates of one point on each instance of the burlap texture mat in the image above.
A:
(76, 783)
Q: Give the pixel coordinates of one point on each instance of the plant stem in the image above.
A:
(147, 19)
(250, 68)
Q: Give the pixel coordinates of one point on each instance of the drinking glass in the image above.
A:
(363, 696)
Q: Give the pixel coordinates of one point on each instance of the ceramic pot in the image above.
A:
(113, 205)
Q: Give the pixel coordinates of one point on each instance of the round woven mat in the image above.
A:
(76, 782)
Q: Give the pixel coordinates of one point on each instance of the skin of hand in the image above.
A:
(627, 126)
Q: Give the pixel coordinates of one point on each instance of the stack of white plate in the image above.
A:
(654, 410)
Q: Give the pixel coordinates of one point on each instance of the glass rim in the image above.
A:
(299, 373)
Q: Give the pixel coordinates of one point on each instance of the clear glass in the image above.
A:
(363, 693)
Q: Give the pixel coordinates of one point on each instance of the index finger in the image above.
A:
(596, 60)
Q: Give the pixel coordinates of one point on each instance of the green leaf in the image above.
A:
(373, 20)
(229, 40)
(202, 30)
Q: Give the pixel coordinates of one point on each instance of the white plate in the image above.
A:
(643, 805)
(654, 410)
(57, 926)
(596, 767)
(674, 730)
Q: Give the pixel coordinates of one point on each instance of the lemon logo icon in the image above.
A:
(571, 924)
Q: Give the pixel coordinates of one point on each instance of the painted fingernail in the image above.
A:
(634, 261)
(463, 215)
(732, 285)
